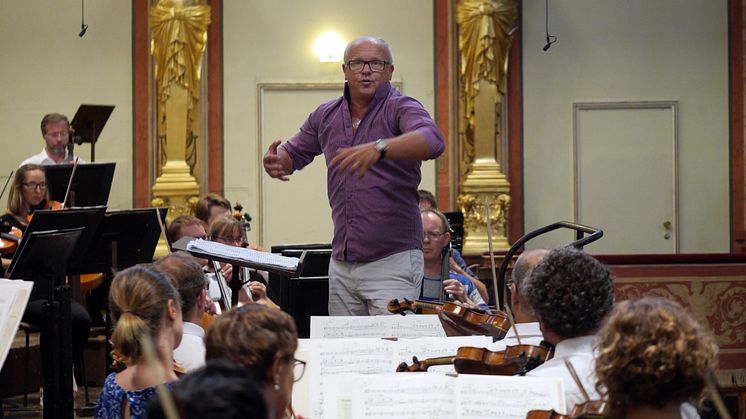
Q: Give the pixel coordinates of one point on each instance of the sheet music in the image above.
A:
(434, 396)
(243, 254)
(14, 296)
(411, 396)
(411, 326)
(328, 360)
(486, 396)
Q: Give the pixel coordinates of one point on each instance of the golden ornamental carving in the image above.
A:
(484, 41)
(179, 37)
(475, 214)
(484, 38)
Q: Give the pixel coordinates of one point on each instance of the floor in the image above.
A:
(13, 406)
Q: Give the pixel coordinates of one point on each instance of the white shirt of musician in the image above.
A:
(190, 353)
(43, 159)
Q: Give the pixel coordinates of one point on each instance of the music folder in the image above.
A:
(238, 256)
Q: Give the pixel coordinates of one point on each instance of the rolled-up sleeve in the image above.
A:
(413, 117)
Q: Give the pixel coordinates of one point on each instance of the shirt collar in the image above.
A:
(194, 329)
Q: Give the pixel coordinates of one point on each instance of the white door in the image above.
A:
(636, 208)
(296, 211)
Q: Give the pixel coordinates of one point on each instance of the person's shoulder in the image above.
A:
(35, 159)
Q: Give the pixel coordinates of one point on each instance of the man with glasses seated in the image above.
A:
(55, 128)
(374, 140)
(435, 243)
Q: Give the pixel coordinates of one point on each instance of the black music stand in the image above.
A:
(124, 238)
(90, 186)
(306, 294)
(88, 217)
(88, 123)
(43, 257)
(235, 283)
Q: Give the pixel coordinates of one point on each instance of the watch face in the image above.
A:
(381, 145)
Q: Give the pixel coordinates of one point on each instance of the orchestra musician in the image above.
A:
(55, 129)
(210, 207)
(263, 340)
(144, 305)
(436, 240)
(457, 262)
(373, 139)
(653, 356)
(570, 292)
(186, 275)
(227, 230)
(27, 194)
(525, 319)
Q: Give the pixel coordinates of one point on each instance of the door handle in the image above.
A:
(667, 226)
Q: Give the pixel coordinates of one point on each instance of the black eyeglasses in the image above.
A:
(36, 186)
(374, 65)
(299, 367)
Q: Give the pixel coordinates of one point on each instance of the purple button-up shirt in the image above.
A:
(378, 215)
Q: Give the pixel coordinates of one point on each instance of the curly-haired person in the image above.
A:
(652, 357)
(570, 292)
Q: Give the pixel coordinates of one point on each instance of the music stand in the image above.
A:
(123, 239)
(90, 186)
(43, 257)
(235, 284)
(44, 220)
(88, 123)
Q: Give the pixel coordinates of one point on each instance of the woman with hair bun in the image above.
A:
(144, 304)
(653, 360)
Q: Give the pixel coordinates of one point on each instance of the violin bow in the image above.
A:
(70, 182)
(162, 224)
(6, 183)
(164, 395)
(712, 389)
(575, 378)
(494, 273)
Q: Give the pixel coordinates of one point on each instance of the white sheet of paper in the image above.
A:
(14, 296)
(329, 359)
(411, 396)
(240, 253)
(435, 395)
(487, 396)
(410, 326)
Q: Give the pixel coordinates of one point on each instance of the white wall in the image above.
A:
(633, 50)
(46, 68)
(270, 41)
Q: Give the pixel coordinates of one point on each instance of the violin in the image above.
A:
(461, 321)
(48, 205)
(594, 409)
(514, 360)
(9, 238)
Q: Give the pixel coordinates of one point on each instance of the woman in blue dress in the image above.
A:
(143, 304)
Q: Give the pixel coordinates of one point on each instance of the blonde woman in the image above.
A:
(144, 304)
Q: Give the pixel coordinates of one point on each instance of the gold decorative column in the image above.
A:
(179, 36)
(484, 28)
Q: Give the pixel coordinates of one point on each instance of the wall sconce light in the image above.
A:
(329, 47)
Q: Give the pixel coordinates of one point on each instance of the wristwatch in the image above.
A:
(381, 146)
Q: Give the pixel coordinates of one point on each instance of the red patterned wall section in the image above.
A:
(716, 294)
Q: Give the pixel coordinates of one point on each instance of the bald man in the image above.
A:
(374, 140)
